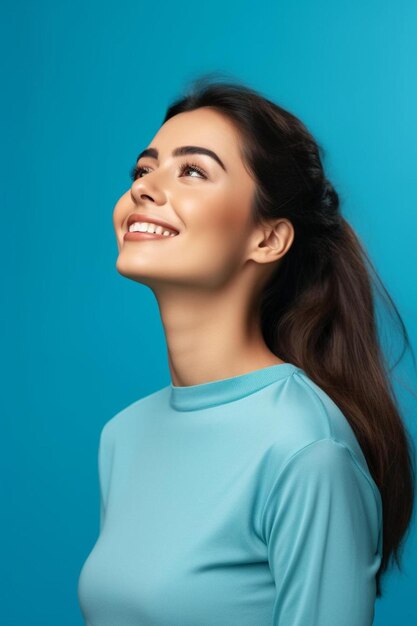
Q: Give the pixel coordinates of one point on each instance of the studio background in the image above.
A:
(85, 88)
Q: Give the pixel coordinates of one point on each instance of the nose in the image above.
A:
(145, 188)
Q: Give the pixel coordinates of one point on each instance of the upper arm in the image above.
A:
(321, 526)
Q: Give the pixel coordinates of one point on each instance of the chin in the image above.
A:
(127, 269)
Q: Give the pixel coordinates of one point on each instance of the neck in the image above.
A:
(211, 336)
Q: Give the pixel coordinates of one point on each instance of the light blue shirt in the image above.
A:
(246, 501)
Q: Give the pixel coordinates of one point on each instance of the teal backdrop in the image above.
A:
(85, 88)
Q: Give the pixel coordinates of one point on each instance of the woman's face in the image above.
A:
(208, 206)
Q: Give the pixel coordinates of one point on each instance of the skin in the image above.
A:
(207, 279)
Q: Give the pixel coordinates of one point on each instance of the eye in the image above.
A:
(192, 167)
(137, 170)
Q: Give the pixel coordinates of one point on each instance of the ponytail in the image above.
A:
(325, 324)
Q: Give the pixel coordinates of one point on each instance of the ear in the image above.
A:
(271, 241)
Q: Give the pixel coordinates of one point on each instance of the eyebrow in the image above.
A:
(153, 153)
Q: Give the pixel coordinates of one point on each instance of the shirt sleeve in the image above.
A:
(105, 453)
(322, 528)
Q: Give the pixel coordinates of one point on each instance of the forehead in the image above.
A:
(203, 127)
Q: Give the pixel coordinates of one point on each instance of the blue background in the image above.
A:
(85, 88)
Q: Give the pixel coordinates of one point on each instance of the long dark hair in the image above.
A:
(317, 309)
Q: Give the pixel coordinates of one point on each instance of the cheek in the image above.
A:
(214, 240)
(119, 209)
(119, 215)
(216, 215)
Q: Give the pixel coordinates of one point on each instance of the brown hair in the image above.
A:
(317, 308)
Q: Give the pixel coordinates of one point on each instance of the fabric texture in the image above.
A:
(245, 501)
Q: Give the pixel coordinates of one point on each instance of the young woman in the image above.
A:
(271, 481)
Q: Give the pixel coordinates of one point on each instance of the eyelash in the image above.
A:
(137, 169)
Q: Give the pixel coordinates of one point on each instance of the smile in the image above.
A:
(150, 227)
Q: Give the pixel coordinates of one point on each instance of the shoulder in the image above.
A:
(125, 421)
(319, 465)
(308, 432)
(313, 439)
(325, 461)
(303, 413)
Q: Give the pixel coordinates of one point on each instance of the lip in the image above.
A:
(140, 217)
(139, 236)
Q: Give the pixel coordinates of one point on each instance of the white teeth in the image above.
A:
(147, 227)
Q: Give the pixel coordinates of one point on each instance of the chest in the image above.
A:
(178, 544)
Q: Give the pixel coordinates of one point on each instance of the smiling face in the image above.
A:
(209, 205)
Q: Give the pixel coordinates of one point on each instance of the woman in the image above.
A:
(271, 481)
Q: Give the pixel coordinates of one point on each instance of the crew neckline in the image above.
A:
(223, 390)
